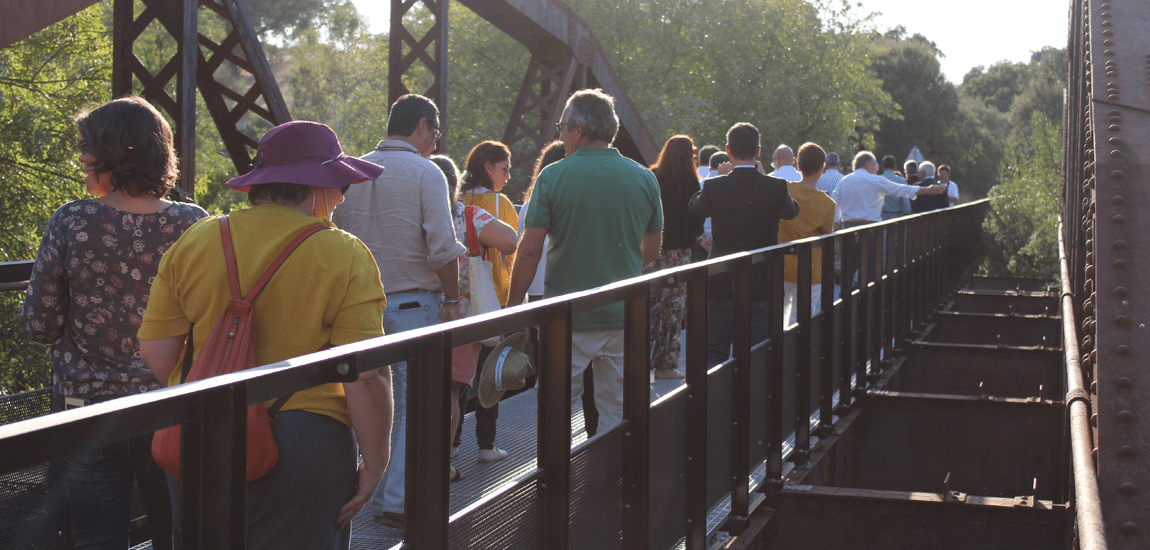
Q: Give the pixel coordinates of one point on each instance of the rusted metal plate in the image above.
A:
(974, 371)
(1020, 304)
(1000, 330)
(27, 17)
(1115, 304)
(827, 517)
(988, 447)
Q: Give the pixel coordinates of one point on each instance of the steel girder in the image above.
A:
(242, 100)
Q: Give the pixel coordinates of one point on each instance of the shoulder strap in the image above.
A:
(189, 351)
(472, 235)
(230, 259)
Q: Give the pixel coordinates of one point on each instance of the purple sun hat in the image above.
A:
(307, 153)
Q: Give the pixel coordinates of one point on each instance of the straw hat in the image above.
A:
(507, 368)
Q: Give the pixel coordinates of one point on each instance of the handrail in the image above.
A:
(1087, 502)
(905, 267)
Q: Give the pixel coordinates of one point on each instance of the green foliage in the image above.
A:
(795, 69)
(44, 81)
(1020, 228)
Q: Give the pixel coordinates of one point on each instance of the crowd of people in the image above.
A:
(121, 279)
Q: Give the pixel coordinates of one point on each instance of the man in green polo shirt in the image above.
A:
(604, 218)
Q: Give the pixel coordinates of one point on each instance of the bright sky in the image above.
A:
(969, 33)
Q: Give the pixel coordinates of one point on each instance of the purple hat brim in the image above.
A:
(337, 173)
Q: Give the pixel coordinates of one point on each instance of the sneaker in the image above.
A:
(491, 455)
(454, 451)
(394, 520)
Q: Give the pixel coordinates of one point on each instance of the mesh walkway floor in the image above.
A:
(515, 434)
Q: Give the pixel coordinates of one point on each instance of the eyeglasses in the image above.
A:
(559, 127)
(505, 169)
(437, 133)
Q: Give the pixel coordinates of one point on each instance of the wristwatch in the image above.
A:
(446, 302)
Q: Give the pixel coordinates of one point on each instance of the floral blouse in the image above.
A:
(88, 293)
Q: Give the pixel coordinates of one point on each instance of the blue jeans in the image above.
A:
(404, 311)
(720, 327)
(99, 488)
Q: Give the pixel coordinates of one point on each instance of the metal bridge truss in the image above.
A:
(565, 57)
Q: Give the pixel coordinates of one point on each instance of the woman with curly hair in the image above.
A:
(86, 299)
(675, 171)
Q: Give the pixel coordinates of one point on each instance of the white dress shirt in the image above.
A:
(829, 180)
(951, 192)
(859, 196)
(787, 173)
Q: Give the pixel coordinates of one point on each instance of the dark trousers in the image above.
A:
(99, 488)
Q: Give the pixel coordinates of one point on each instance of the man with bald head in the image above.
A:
(783, 162)
(859, 195)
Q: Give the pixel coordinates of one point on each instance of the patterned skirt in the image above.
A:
(667, 307)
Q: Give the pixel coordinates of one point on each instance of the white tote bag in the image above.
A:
(481, 284)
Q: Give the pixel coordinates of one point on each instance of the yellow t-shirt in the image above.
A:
(327, 292)
(500, 271)
(816, 217)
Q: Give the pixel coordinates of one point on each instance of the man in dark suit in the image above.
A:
(745, 207)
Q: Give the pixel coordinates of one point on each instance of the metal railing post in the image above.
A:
(846, 322)
(213, 472)
(428, 419)
(741, 378)
(826, 340)
(861, 313)
(695, 506)
(803, 346)
(775, 358)
(554, 413)
(636, 415)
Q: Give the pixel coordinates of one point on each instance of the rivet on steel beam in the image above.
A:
(1105, 6)
(1126, 451)
(1111, 85)
(1111, 73)
(1116, 154)
(1094, 387)
(1122, 351)
(1121, 321)
(1129, 528)
(1124, 382)
(1115, 128)
(1112, 97)
(1094, 420)
(1118, 219)
(1108, 52)
(1118, 200)
(1119, 245)
(1127, 488)
(343, 369)
(1107, 24)
(1115, 118)
(1126, 417)
(1120, 291)
(1119, 264)
(1107, 33)
(1107, 42)
(1115, 141)
(1094, 455)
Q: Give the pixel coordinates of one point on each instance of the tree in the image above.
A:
(1020, 230)
(44, 81)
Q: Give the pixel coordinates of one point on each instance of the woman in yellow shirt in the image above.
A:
(487, 170)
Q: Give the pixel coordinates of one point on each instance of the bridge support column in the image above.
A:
(429, 50)
(539, 105)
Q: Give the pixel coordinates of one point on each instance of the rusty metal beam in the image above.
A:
(1115, 309)
(28, 17)
(239, 52)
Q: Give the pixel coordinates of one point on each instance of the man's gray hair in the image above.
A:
(926, 169)
(862, 159)
(594, 110)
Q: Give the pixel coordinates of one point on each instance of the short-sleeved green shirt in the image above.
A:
(596, 205)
